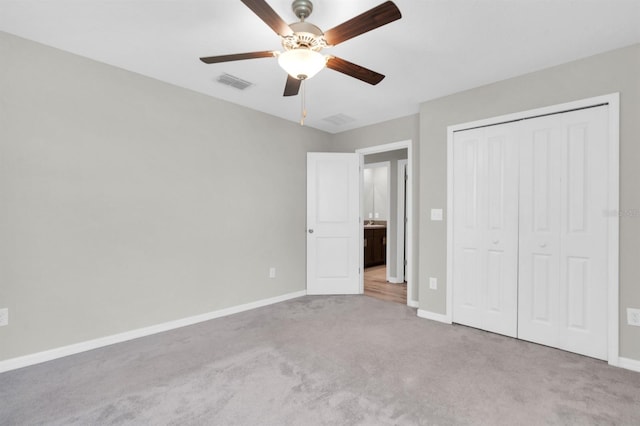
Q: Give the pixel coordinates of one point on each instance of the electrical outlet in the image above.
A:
(272, 272)
(633, 316)
(433, 283)
(4, 316)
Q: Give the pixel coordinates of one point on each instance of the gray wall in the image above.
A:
(615, 71)
(392, 224)
(401, 129)
(127, 202)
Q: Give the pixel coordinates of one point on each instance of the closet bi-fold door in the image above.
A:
(485, 236)
(563, 231)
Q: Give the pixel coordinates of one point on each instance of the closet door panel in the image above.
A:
(584, 255)
(563, 198)
(501, 236)
(468, 240)
(485, 229)
(539, 242)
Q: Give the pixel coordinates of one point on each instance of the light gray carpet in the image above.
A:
(322, 360)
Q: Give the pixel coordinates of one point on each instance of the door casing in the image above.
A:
(406, 144)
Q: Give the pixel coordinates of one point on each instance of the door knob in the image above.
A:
(311, 231)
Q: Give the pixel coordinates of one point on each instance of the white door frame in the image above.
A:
(401, 215)
(613, 100)
(411, 301)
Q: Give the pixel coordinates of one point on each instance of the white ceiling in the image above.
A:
(439, 47)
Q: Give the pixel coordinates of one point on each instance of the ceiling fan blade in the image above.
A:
(292, 87)
(370, 20)
(237, 57)
(353, 70)
(269, 16)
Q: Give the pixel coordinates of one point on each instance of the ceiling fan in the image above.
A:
(303, 41)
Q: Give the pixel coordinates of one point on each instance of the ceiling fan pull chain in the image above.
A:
(303, 100)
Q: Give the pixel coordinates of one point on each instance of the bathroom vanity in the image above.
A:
(375, 245)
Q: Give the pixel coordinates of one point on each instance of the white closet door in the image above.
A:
(563, 231)
(485, 215)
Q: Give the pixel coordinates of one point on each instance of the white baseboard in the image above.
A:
(395, 280)
(413, 304)
(39, 357)
(629, 364)
(433, 316)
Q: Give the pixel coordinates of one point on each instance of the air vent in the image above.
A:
(233, 81)
(339, 119)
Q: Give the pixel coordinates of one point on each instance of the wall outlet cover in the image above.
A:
(436, 214)
(272, 272)
(433, 283)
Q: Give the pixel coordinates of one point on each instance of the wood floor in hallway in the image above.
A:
(376, 285)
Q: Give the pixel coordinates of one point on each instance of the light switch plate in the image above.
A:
(633, 316)
(436, 214)
(4, 316)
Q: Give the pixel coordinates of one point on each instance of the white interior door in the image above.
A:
(485, 237)
(333, 224)
(563, 231)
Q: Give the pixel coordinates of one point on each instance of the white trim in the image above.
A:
(409, 254)
(628, 363)
(402, 165)
(413, 304)
(361, 231)
(51, 354)
(409, 278)
(449, 218)
(433, 316)
(384, 148)
(613, 100)
(395, 280)
(552, 109)
(614, 229)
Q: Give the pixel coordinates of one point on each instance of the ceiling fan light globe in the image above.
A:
(302, 63)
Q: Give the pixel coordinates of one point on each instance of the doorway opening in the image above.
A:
(386, 208)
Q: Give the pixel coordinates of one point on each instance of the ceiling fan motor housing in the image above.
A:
(305, 36)
(302, 8)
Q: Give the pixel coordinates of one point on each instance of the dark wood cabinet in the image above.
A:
(375, 246)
